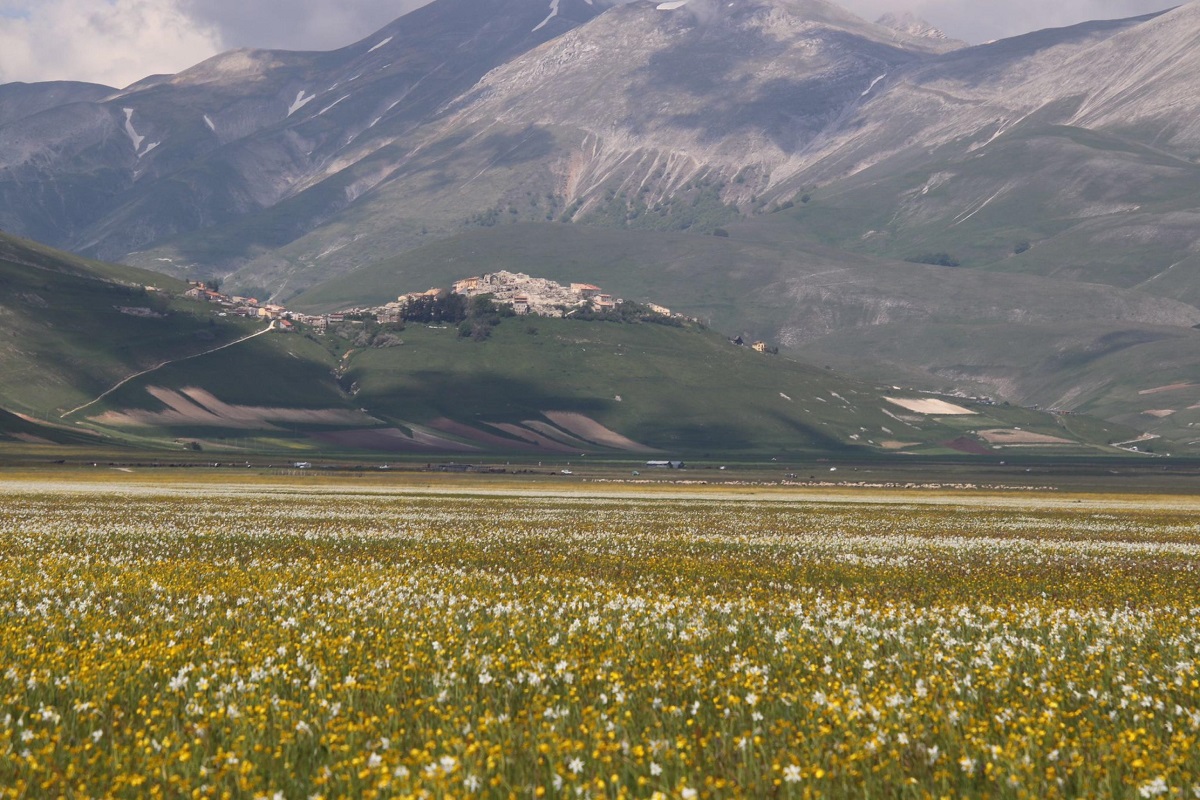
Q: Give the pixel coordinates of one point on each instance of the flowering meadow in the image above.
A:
(314, 641)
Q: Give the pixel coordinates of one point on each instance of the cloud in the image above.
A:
(296, 24)
(983, 20)
(113, 42)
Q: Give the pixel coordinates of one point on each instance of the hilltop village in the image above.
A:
(515, 292)
(493, 294)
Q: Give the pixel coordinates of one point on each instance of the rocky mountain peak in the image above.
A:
(911, 25)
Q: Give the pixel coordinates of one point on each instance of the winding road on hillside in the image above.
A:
(156, 367)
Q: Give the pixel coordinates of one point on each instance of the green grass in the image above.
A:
(63, 339)
(680, 389)
(274, 370)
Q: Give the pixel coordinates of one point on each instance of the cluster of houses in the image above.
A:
(235, 305)
(537, 296)
(524, 294)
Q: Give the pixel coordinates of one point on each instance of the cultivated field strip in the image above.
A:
(287, 642)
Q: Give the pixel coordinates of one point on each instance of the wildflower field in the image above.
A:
(298, 641)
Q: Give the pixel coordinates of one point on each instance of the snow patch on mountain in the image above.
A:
(553, 13)
(331, 105)
(300, 102)
(381, 44)
(208, 121)
(131, 131)
(867, 91)
(672, 5)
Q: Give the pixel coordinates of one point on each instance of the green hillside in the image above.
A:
(1027, 339)
(66, 338)
(102, 348)
(545, 386)
(671, 389)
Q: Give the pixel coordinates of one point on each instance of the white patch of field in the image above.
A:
(547, 429)
(1169, 388)
(929, 405)
(198, 407)
(532, 437)
(894, 445)
(587, 428)
(1011, 436)
(1159, 413)
(592, 431)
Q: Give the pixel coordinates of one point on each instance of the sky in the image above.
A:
(116, 42)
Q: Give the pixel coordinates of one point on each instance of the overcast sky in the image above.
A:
(116, 42)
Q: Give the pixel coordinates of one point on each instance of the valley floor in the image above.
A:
(257, 634)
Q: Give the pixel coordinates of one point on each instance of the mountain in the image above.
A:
(280, 170)
(244, 131)
(286, 167)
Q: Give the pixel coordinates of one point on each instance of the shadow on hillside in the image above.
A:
(487, 396)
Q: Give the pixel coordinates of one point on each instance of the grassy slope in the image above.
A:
(1010, 336)
(680, 389)
(273, 370)
(64, 341)
(1094, 207)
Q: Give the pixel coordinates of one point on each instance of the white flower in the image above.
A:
(967, 764)
(688, 793)
(1154, 788)
(472, 783)
(655, 768)
(576, 766)
(485, 678)
(791, 773)
(751, 699)
(374, 761)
